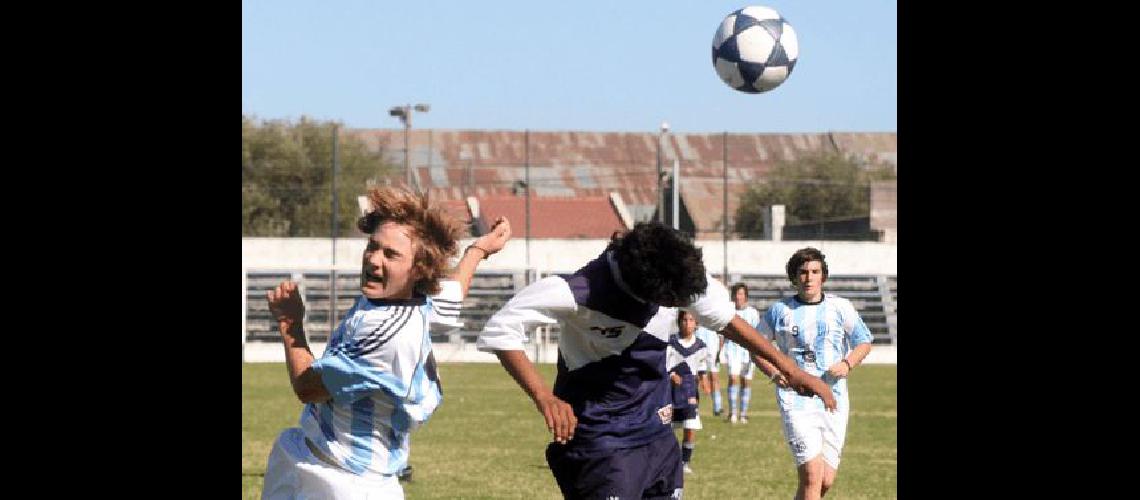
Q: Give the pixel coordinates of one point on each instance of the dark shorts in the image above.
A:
(685, 398)
(652, 470)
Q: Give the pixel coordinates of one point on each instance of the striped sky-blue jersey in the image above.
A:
(737, 352)
(379, 368)
(711, 340)
(826, 330)
(611, 351)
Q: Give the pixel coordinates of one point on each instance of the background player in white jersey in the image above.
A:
(826, 337)
(611, 408)
(686, 358)
(739, 360)
(376, 381)
(710, 377)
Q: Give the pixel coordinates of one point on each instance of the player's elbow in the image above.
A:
(309, 388)
(311, 395)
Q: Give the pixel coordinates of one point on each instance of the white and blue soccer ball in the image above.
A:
(754, 49)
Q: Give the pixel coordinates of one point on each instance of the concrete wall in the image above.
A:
(272, 352)
(744, 256)
(885, 210)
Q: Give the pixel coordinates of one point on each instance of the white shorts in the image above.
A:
(738, 359)
(741, 368)
(811, 433)
(692, 423)
(293, 472)
(712, 341)
(712, 366)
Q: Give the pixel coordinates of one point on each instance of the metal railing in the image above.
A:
(326, 300)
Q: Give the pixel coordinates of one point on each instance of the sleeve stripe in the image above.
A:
(347, 347)
(393, 333)
(366, 344)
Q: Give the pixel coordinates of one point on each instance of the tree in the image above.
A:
(286, 177)
(820, 185)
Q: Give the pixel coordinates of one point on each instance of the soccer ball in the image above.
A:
(754, 49)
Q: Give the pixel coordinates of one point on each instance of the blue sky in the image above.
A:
(591, 65)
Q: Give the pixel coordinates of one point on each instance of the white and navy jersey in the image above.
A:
(686, 358)
(380, 371)
(693, 353)
(815, 336)
(737, 352)
(611, 352)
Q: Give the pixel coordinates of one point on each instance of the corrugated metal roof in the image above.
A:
(582, 217)
(453, 164)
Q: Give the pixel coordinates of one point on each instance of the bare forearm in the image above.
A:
(742, 333)
(559, 416)
(767, 368)
(465, 270)
(858, 353)
(482, 248)
(299, 359)
(522, 370)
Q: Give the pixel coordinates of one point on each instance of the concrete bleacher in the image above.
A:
(874, 296)
(488, 292)
(315, 289)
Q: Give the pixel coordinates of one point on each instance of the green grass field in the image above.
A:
(487, 440)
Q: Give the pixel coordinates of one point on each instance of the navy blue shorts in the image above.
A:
(652, 470)
(685, 398)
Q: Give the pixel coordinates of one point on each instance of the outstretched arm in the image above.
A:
(480, 249)
(287, 308)
(742, 333)
(559, 415)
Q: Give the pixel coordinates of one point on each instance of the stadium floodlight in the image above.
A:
(660, 195)
(404, 113)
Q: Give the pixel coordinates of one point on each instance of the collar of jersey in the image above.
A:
(616, 273)
(416, 300)
(820, 301)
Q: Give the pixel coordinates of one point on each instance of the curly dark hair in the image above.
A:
(434, 231)
(660, 264)
(801, 256)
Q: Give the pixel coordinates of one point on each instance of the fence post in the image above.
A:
(299, 278)
(888, 307)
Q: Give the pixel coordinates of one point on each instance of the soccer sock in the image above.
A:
(732, 390)
(687, 452)
(745, 396)
(716, 401)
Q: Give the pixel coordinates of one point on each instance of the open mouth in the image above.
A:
(373, 278)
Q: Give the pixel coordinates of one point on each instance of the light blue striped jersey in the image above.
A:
(735, 351)
(711, 340)
(380, 371)
(829, 328)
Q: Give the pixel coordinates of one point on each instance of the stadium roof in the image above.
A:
(582, 165)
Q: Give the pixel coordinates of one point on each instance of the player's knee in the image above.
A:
(811, 473)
